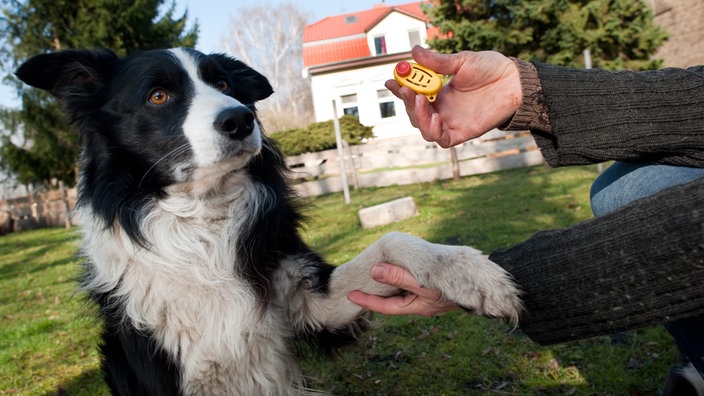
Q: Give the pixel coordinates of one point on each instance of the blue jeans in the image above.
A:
(624, 182)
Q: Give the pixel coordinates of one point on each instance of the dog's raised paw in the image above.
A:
(470, 280)
(463, 274)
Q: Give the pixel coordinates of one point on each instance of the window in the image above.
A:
(387, 107)
(380, 45)
(349, 105)
(414, 38)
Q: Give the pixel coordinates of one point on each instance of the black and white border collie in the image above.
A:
(191, 230)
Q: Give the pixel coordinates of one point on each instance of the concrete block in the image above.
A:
(388, 212)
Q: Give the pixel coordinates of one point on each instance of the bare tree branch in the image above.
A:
(271, 41)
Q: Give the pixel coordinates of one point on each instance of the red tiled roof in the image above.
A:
(335, 26)
(336, 51)
(336, 38)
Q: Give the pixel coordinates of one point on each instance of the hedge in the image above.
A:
(320, 136)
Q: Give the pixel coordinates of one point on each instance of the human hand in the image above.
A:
(418, 301)
(484, 92)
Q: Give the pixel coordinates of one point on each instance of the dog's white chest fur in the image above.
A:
(185, 290)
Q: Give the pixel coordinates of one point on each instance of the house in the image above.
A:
(348, 58)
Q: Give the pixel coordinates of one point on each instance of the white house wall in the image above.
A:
(395, 27)
(364, 83)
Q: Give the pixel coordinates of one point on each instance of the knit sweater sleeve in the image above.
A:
(639, 265)
(653, 116)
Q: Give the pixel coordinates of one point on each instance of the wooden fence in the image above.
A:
(39, 211)
(410, 160)
(378, 163)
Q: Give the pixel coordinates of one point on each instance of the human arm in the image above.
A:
(576, 116)
(596, 115)
(642, 264)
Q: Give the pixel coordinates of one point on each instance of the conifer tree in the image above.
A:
(41, 142)
(620, 34)
(38, 147)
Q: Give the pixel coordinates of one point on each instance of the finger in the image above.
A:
(409, 304)
(395, 276)
(393, 86)
(409, 101)
(404, 93)
(403, 279)
(440, 63)
(434, 130)
(425, 119)
(396, 305)
(422, 115)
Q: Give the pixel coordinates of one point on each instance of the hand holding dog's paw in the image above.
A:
(439, 278)
(416, 300)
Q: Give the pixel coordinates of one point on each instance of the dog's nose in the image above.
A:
(235, 122)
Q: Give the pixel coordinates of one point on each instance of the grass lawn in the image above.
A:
(48, 336)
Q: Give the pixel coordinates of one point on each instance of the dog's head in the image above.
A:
(154, 119)
(164, 114)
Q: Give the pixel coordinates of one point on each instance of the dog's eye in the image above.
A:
(222, 86)
(159, 97)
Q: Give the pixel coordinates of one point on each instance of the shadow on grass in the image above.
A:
(507, 208)
(463, 355)
(88, 383)
(24, 253)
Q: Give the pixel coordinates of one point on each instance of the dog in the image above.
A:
(191, 230)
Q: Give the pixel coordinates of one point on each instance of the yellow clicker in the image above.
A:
(418, 78)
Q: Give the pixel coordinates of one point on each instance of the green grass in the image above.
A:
(48, 338)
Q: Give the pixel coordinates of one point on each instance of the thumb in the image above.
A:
(394, 276)
(447, 64)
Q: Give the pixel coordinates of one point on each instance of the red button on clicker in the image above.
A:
(403, 68)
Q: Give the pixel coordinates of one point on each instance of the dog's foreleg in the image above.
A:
(462, 274)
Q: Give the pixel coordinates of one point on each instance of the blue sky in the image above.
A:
(213, 17)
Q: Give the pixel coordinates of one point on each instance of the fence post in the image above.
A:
(353, 166)
(455, 163)
(340, 153)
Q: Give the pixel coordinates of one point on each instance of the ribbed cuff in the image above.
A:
(532, 114)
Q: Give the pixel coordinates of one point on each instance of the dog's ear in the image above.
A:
(252, 86)
(68, 73)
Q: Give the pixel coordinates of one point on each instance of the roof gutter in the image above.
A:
(355, 63)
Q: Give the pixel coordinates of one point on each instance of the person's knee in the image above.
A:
(600, 202)
(623, 183)
(605, 191)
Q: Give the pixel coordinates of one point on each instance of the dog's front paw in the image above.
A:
(469, 279)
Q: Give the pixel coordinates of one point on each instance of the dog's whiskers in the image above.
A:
(177, 150)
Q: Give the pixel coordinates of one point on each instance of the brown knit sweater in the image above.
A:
(644, 263)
